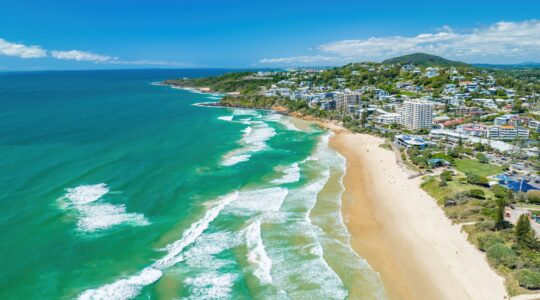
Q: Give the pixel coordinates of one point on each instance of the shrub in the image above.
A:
(500, 191)
(482, 158)
(488, 240)
(534, 196)
(499, 254)
(529, 279)
(477, 179)
(446, 175)
(476, 193)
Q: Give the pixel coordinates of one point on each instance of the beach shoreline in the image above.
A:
(402, 232)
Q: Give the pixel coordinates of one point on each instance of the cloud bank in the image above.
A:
(502, 42)
(81, 56)
(24, 51)
(20, 50)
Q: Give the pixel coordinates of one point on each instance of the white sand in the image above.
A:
(404, 234)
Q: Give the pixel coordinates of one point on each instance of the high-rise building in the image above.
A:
(347, 103)
(417, 114)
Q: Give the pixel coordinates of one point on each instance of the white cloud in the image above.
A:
(502, 42)
(81, 56)
(150, 62)
(307, 59)
(20, 50)
(23, 51)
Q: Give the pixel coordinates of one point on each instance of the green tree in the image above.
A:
(500, 204)
(523, 229)
(482, 158)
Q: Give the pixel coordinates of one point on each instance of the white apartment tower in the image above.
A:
(417, 114)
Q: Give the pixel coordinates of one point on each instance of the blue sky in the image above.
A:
(201, 33)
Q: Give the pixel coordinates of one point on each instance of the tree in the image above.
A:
(523, 229)
(499, 213)
(482, 158)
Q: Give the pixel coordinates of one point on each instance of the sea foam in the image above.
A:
(192, 233)
(94, 215)
(130, 287)
(253, 140)
(226, 118)
(291, 174)
(125, 288)
(257, 253)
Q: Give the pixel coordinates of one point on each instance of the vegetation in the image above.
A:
(424, 60)
(471, 166)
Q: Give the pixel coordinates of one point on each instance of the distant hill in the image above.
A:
(523, 65)
(424, 60)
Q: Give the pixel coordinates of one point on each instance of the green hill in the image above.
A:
(424, 60)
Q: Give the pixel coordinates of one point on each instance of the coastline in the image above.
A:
(401, 231)
(417, 251)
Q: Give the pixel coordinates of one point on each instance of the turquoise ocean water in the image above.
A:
(115, 188)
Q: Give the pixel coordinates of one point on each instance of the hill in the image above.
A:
(424, 60)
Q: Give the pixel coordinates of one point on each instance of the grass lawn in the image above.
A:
(476, 167)
(431, 186)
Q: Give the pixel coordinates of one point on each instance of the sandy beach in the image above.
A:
(402, 232)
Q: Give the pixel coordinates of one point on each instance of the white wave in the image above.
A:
(246, 112)
(86, 193)
(205, 263)
(290, 175)
(257, 254)
(253, 202)
(202, 255)
(273, 117)
(234, 159)
(131, 287)
(192, 233)
(211, 286)
(94, 215)
(289, 125)
(124, 288)
(253, 140)
(98, 216)
(226, 118)
(285, 121)
(248, 131)
(214, 97)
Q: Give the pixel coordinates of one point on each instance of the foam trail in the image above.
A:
(211, 286)
(85, 194)
(290, 175)
(192, 233)
(253, 140)
(283, 121)
(256, 202)
(204, 262)
(94, 215)
(124, 288)
(226, 118)
(131, 287)
(257, 254)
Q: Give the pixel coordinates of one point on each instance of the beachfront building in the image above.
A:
(417, 114)
(410, 141)
(508, 132)
(347, 103)
(389, 118)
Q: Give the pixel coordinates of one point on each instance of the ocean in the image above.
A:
(114, 187)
